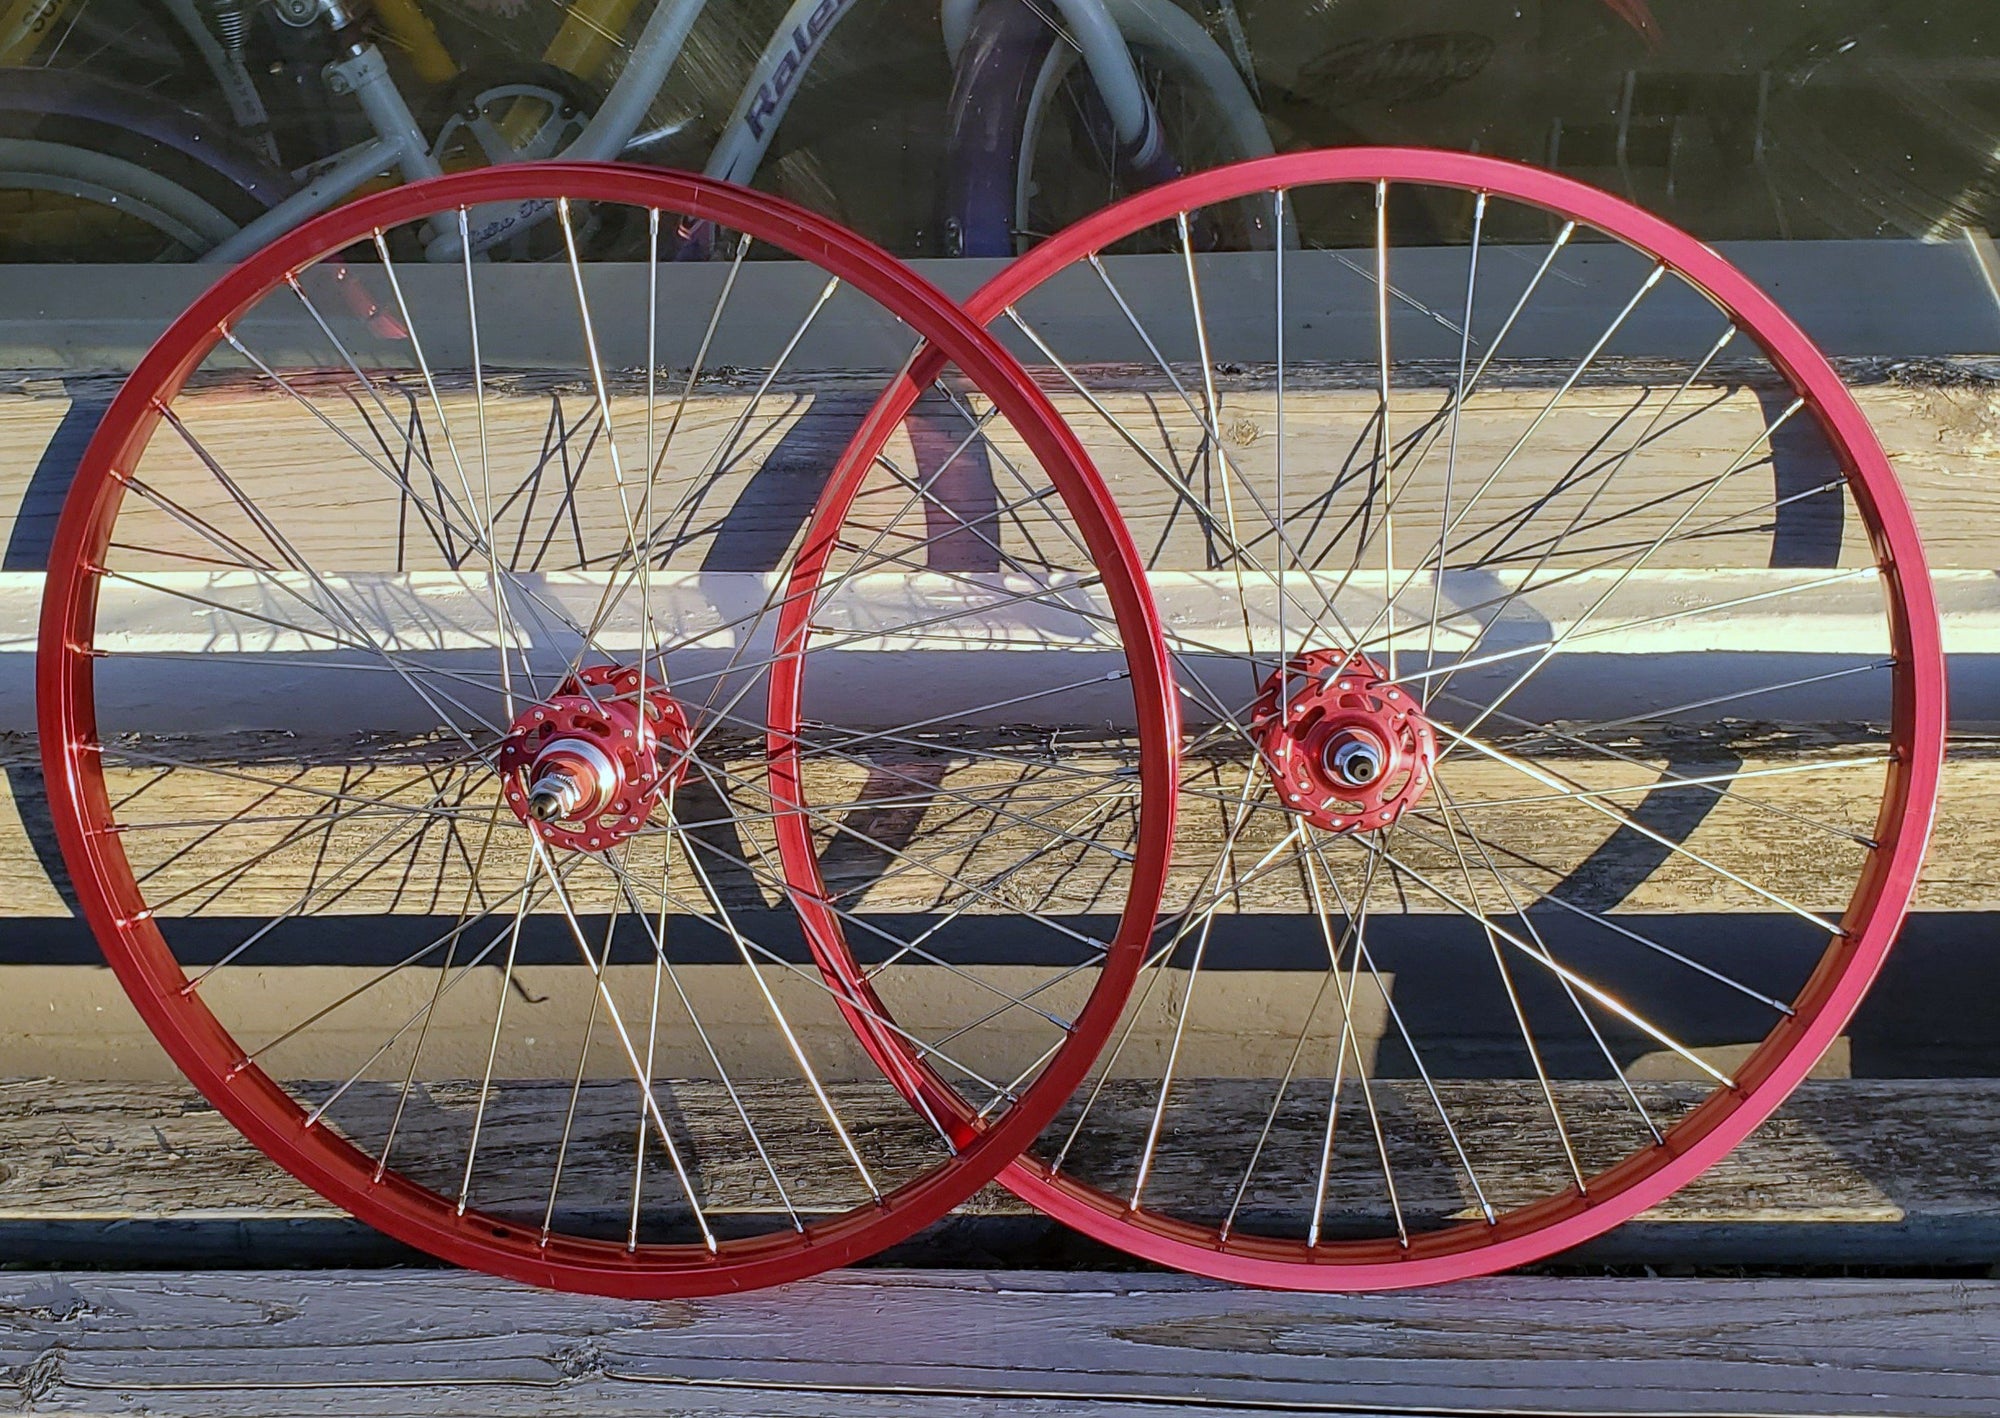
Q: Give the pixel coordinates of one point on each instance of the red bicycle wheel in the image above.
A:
(1564, 698)
(393, 660)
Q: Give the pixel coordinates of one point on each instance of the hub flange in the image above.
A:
(1348, 749)
(585, 767)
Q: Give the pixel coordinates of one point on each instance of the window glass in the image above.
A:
(161, 129)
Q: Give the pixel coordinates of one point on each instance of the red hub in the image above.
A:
(585, 771)
(1348, 750)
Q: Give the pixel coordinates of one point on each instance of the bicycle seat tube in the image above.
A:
(603, 138)
(399, 143)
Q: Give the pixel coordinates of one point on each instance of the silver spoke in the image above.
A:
(1720, 786)
(1627, 572)
(812, 978)
(1627, 821)
(1451, 445)
(1191, 919)
(1409, 1041)
(419, 1019)
(1349, 1043)
(493, 1046)
(663, 965)
(430, 1010)
(1555, 967)
(1513, 995)
(792, 1043)
(1384, 444)
(652, 1103)
(576, 1085)
(500, 610)
(1569, 991)
(1609, 923)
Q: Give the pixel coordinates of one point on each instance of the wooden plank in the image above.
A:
(958, 1342)
(1935, 420)
(64, 1017)
(398, 899)
(184, 825)
(1884, 1171)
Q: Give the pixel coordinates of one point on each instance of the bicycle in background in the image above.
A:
(189, 187)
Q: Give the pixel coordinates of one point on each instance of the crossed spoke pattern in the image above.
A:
(410, 503)
(1576, 498)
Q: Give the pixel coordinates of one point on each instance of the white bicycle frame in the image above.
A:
(400, 144)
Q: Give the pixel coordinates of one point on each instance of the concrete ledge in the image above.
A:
(209, 641)
(1892, 298)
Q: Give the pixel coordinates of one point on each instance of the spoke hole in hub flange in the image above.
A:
(1346, 748)
(586, 766)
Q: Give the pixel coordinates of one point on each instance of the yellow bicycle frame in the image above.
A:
(591, 31)
(24, 24)
(413, 32)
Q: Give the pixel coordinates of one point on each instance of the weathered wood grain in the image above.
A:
(67, 1018)
(223, 853)
(954, 1342)
(73, 1021)
(1910, 1158)
(316, 825)
(743, 510)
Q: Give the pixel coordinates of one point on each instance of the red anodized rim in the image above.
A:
(1882, 895)
(199, 1044)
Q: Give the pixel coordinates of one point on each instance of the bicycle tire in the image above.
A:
(117, 148)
